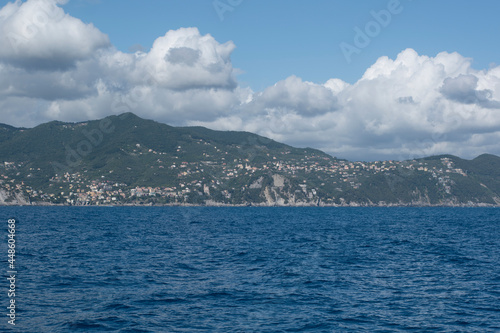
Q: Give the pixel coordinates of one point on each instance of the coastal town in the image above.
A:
(127, 160)
(212, 181)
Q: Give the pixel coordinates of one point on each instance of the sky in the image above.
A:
(362, 80)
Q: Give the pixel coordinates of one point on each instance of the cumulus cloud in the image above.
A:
(463, 89)
(296, 96)
(182, 55)
(401, 108)
(183, 59)
(70, 71)
(37, 34)
(413, 105)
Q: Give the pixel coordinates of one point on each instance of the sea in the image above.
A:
(252, 269)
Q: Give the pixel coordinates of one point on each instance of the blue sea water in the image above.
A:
(202, 269)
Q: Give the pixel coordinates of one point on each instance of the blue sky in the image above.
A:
(276, 39)
(363, 80)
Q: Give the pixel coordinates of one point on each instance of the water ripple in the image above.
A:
(177, 269)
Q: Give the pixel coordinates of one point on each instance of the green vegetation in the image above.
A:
(128, 160)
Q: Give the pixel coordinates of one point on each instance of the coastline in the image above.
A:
(352, 205)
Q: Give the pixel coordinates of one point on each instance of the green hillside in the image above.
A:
(129, 160)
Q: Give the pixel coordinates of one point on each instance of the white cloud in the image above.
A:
(463, 89)
(295, 96)
(37, 34)
(70, 71)
(183, 59)
(413, 105)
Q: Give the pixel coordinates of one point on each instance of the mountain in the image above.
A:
(129, 160)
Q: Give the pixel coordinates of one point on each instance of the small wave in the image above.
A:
(87, 325)
(186, 267)
(117, 306)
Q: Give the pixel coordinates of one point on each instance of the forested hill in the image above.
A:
(129, 160)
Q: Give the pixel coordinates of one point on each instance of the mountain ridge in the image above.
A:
(117, 159)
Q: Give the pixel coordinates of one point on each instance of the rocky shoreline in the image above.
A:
(17, 199)
(353, 204)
